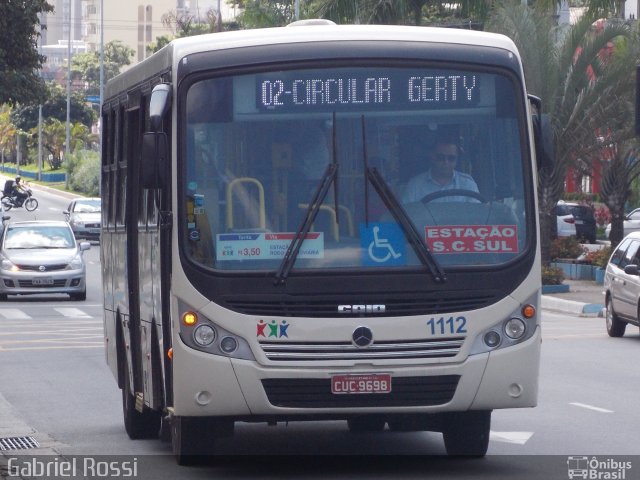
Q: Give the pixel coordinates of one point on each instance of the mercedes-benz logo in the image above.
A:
(362, 337)
(42, 268)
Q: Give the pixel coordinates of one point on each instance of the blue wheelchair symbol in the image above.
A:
(382, 244)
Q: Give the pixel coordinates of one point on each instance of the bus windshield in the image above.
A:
(447, 143)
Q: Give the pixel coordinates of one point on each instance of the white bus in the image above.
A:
(278, 243)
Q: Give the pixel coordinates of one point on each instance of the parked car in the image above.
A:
(565, 224)
(622, 286)
(584, 219)
(84, 216)
(42, 256)
(631, 223)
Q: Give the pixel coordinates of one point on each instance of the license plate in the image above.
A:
(367, 383)
(42, 281)
(579, 222)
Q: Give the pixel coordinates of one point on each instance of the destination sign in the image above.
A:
(365, 90)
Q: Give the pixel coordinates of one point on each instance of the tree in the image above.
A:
(617, 178)
(19, 58)
(55, 106)
(87, 65)
(54, 135)
(583, 90)
(7, 131)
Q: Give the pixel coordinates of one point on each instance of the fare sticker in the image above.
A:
(447, 239)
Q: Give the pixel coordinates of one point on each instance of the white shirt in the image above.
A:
(423, 184)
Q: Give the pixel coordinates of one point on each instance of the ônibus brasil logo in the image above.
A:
(593, 468)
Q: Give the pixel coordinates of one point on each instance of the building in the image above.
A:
(135, 23)
(57, 22)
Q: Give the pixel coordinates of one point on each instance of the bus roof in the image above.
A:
(331, 33)
(170, 55)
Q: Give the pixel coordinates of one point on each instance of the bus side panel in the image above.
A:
(106, 242)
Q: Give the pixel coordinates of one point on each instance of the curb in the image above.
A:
(569, 306)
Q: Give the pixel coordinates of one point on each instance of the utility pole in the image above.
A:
(67, 147)
(40, 119)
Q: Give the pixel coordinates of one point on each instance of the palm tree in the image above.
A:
(617, 178)
(583, 89)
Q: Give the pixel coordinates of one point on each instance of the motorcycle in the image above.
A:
(29, 203)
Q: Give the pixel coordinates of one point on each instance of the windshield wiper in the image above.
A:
(329, 177)
(399, 214)
(409, 229)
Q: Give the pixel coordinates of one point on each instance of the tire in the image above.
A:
(366, 423)
(30, 204)
(192, 442)
(3, 297)
(78, 296)
(615, 326)
(6, 203)
(139, 425)
(467, 433)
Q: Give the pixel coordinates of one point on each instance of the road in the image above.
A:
(56, 388)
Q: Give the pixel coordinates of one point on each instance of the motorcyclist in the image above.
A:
(18, 192)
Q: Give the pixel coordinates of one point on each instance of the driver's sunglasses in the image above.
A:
(441, 157)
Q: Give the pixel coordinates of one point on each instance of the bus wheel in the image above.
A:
(615, 326)
(191, 440)
(139, 425)
(366, 423)
(467, 433)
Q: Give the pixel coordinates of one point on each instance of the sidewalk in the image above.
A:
(585, 297)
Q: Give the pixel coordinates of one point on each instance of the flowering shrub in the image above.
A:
(599, 257)
(552, 275)
(603, 216)
(565, 247)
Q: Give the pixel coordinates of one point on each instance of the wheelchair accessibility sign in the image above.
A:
(383, 244)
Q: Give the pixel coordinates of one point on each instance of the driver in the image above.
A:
(442, 175)
(18, 191)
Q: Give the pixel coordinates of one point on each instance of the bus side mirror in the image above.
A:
(543, 135)
(155, 154)
(159, 105)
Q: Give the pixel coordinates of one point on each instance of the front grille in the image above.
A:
(47, 268)
(29, 284)
(401, 304)
(316, 393)
(321, 351)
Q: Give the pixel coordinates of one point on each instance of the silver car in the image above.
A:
(42, 257)
(631, 223)
(83, 214)
(622, 286)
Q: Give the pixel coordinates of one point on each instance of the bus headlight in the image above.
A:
(228, 345)
(510, 330)
(492, 339)
(514, 328)
(204, 335)
(200, 333)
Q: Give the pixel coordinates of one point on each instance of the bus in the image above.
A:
(273, 249)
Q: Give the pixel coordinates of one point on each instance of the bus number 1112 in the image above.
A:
(447, 326)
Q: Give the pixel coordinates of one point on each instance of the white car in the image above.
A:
(631, 223)
(566, 225)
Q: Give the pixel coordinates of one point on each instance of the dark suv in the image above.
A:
(585, 220)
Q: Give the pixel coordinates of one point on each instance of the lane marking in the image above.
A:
(590, 407)
(518, 438)
(72, 312)
(14, 313)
